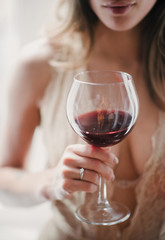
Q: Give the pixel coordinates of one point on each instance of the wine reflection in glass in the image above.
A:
(102, 108)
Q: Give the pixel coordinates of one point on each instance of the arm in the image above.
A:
(28, 82)
(20, 187)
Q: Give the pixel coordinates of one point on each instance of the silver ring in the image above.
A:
(81, 173)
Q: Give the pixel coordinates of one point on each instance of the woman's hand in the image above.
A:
(65, 178)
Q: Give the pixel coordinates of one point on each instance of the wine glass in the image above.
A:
(102, 108)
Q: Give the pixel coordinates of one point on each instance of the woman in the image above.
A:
(95, 34)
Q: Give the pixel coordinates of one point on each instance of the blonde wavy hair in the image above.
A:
(76, 24)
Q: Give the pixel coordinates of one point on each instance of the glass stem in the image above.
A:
(102, 193)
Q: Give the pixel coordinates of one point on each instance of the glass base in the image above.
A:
(103, 214)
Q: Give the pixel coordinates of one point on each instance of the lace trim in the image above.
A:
(124, 184)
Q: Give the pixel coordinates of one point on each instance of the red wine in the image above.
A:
(104, 128)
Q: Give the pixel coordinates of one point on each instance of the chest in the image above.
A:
(133, 153)
(136, 149)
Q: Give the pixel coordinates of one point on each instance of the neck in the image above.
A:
(119, 47)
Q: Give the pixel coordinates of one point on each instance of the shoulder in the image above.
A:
(32, 71)
(39, 51)
(34, 59)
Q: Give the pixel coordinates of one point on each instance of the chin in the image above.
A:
(121, 27)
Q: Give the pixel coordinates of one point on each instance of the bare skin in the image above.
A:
(29, 81)
(136, 149)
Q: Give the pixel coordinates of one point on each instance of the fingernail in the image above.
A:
(113, 177)
(94, 188)
(116, 160)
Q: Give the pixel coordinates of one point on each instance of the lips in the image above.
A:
(118, 8)
(117, 3)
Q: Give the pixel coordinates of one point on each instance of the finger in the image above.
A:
(74, 173)
(99, 167)
(104, 155)
(78, 185)
(54, 193)
(90, 164)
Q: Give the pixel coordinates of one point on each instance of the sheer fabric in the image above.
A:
(148, 221)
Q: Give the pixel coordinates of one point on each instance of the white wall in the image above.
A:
(20, 23)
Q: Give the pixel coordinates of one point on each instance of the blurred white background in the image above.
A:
(21, 22)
